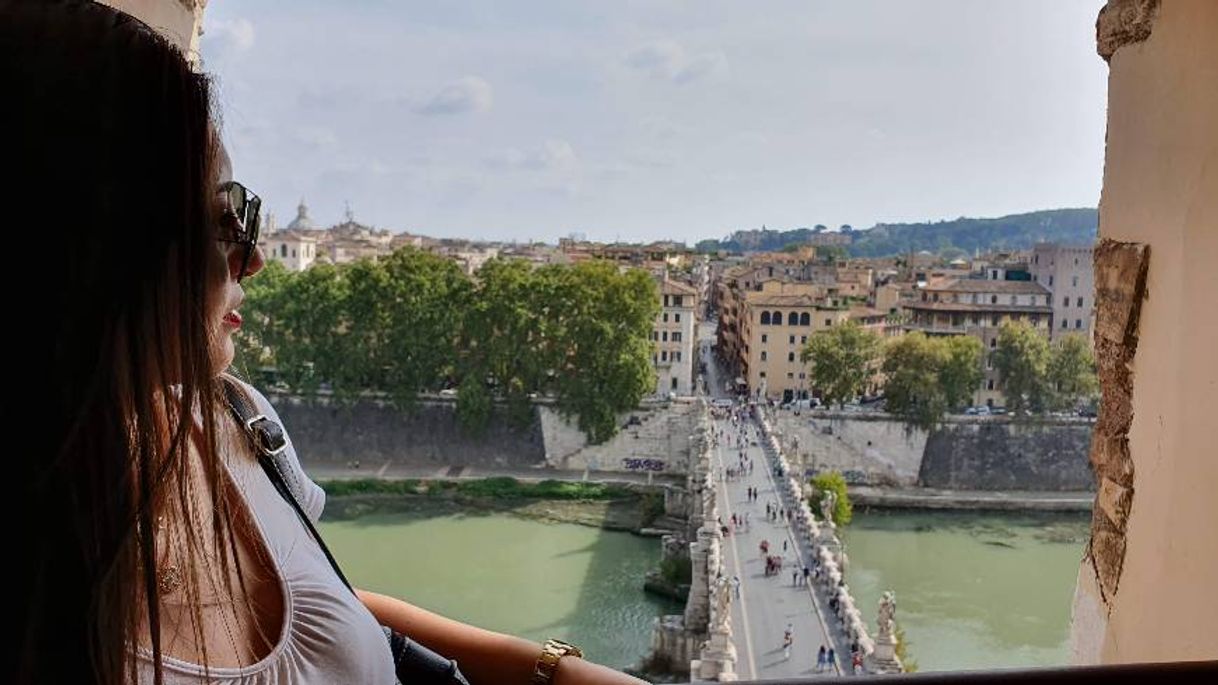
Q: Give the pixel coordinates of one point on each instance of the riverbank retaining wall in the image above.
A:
(967, 453)
(654, 438)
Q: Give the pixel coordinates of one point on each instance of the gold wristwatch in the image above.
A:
(551, 652)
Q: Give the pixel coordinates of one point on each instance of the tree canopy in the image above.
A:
(842, 361)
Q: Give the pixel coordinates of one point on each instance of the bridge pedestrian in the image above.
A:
(788, 638)
(784, 545)
(807, 572)
(830, 659)
(820, 659)
(736, 586)
(795, 578)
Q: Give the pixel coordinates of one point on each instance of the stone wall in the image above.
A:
(654, 438)
(1008, 455)
(967, 453)
(375, 432)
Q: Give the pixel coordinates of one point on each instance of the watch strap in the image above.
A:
(547, 663)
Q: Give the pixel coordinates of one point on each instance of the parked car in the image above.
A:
(978, 411)
(998, 411)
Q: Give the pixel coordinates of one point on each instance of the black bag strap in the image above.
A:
(414, 662)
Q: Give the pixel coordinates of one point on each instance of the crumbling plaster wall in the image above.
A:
(1146, 589)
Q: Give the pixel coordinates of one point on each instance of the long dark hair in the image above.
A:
(108, 151)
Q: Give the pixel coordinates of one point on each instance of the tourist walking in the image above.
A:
(830, 659)
(736, 586)
(788, 638)
(820, 659)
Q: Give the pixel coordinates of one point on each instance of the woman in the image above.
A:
(145, 544)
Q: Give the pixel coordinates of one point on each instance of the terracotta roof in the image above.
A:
(980, 308)
(677, 288)
(763, 299)
(974, 285)
(862, 312)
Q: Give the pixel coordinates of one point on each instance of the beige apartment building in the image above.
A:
(675, 339)
(775, 324)
(1067, 272)
(979, 308)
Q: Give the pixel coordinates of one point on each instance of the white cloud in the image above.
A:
(314, 137)
(701, 66)
(662, 58)
(467, 94)
(224, 37)
(668, 61)
(554, 155)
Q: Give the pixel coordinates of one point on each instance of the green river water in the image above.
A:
(973, 590)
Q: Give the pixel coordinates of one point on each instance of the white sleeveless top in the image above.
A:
(328, 636)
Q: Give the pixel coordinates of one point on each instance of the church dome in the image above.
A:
(302, 220)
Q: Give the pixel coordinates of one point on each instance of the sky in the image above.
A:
(641, 120)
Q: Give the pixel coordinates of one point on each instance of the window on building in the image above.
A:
(1066, 301)
(1080, 302)
(1050, 281)
(762, 374)
(765, 318)
(805, 319)
(674, 383)
(663, 355)
(763, 355)
(790, 356)
(976, 319)
(801, 375)
(994, 318)
(934, 297)
(677, 300)
(1076, 261)
(1074, 281)
(776, 318)
(1034, 319)
(676, 336)
(1063, 323)
(989, 385)
(664, 317)
(293, 253)
(665, 300)
(676, 317)
(676, 356)
(993, 343)
(989, 361)
(283, 250)
(664, 336)
(1078, 323)
(791, 341)
(793, 319)
(790, 376)
(803, 340)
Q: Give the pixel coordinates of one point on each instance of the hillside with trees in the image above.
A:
(958, 236)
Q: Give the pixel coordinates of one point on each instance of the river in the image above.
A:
(527, 578)
(973, 590)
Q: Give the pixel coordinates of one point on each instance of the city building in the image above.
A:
(294, 250)
(979, 308)
(1067, 272)
(675, 338)
(775, 324)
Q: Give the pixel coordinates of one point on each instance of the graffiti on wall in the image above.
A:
(634, 464)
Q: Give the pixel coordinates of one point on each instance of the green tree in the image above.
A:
(426, 296)
(505, 333)
(841, 360)
(961, 372)
(912, 370)
(1072, 372)
(601, 321)
(475, 406)
(843, 510)
(1022, 358)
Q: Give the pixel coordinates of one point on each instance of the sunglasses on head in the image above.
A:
(239, 222)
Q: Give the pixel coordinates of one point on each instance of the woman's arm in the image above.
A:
(485, 657)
